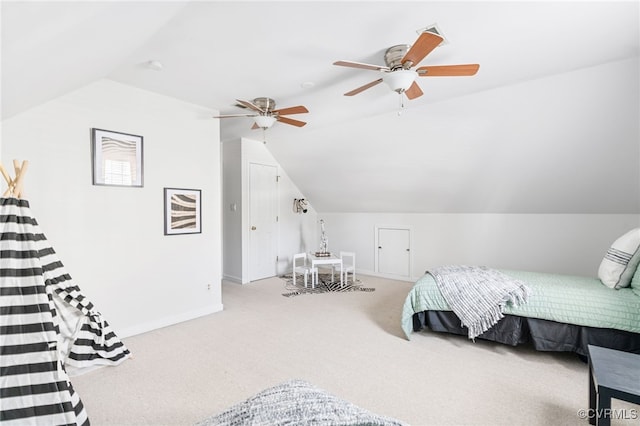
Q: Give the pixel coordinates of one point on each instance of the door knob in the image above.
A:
(253, 228)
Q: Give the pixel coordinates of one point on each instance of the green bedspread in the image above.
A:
(561, 298)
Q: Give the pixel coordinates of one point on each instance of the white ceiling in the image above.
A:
(480, 144)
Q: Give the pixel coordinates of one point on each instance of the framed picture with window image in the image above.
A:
(116, 158)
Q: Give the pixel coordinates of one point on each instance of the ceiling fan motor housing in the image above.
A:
(393, 56)
(266, 104)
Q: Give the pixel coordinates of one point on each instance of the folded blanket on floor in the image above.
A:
(477, 294)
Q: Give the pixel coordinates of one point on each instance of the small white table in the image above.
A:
(327, 260)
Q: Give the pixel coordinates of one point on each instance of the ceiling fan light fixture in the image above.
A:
(264, 121)
(400, 80)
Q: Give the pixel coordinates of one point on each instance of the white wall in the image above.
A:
(296, 232)
(111, 239)
(232, 211)
(563, 243)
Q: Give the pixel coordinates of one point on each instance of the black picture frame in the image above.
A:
(182, 211)
(117, 158)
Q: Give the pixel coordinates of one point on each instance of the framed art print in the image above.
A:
(182, 211)
(116, 158)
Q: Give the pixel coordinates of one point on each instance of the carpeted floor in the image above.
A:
(326, 284)
(349, 344)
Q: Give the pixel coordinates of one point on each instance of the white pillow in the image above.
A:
(621, 261)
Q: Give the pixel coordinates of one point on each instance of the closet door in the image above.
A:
(263, 221)
(393, 251)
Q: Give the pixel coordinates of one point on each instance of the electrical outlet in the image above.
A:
(208, 286)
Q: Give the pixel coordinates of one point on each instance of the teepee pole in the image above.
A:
(14, 186)
(5, 174)
(21, 170)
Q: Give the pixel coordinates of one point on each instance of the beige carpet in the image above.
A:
(349, 344)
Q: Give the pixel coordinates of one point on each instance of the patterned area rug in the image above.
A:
(324, 285)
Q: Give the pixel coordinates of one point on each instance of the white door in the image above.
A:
(393, 251)
(263, 221)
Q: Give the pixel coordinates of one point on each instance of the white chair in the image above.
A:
(300, 266)
(348, 265)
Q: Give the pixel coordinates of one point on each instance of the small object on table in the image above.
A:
(322, 254)
(324, 241)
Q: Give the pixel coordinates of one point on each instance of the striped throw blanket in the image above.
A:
(477, 294)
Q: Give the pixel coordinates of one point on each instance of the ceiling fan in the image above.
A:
(264, 115)
(400, 60)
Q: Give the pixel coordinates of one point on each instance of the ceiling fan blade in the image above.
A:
(363, 88)
(448, 70)
(421, 48)
(361, 66)
(291, 121)
(250, 105)
(234, 115)
(413, 91)
(291, 110)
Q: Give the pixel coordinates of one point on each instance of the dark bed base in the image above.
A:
(543, 334)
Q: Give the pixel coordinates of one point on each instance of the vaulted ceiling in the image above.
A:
(549, 124)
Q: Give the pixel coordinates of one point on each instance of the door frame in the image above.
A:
(376, 264)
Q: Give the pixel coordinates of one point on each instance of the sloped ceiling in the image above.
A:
(550, 124)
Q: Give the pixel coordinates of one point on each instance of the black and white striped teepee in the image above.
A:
(47, 327)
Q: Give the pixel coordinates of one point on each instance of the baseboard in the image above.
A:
(389, 276)
(167, 321)
(232, 278)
